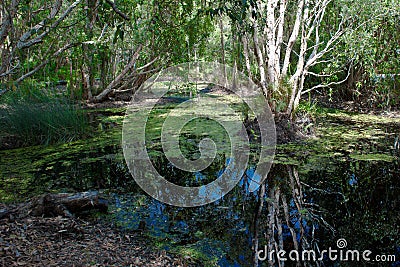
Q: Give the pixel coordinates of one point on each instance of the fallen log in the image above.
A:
(67, 204)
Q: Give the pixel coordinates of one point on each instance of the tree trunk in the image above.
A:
(246, 55)
(63, 204)
(118, 79)
(271, 45)
(87, 74)
(260, 57)
(221, 27)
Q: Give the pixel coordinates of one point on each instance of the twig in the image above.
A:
(116, 10)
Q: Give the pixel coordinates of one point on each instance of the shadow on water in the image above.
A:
(306, 206)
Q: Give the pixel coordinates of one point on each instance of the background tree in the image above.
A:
(370, 43)
(290, 47)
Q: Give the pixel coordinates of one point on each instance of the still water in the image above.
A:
(313, 197)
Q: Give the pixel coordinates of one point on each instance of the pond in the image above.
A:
(342, 184)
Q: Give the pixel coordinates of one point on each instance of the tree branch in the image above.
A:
(259, 54)
(293, 37)
(329, 46)
(53, 12)
(11, 70)
(7, 21)
(25, 43)
(148, 71)
(41, 65)
(117, 79)
(328, 84)
(317, 74)
(148, 64)
(116, 10)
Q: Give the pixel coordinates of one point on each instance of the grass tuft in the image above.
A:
(41, 119)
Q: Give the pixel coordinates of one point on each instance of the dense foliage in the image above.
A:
(289, 47)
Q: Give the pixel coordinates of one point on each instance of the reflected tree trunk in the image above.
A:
(285, 217)
(260, 204)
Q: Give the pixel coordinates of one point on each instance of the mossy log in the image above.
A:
(67, 204)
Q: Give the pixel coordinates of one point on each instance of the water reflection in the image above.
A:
(282, 220)
(302, 207)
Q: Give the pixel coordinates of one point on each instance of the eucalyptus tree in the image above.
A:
(372, 43)
(104, 45)
(25, 25)
(166, 33)
(285, 39)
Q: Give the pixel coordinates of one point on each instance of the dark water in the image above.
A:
(341, 198)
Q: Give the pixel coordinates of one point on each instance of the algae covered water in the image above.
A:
(342, 184)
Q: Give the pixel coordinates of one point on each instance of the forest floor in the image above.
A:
(59, 241)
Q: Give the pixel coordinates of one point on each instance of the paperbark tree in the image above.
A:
(287, 42)
(119, 78)
(13, 41)
(306, 31)
(34, 34)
